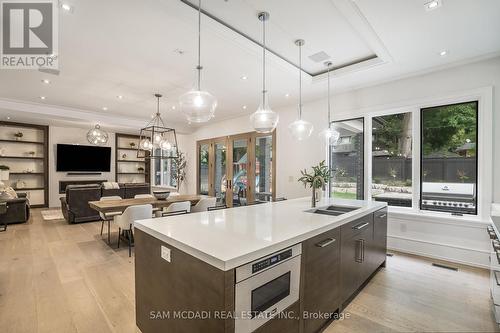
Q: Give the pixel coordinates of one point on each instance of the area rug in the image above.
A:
(53, 214)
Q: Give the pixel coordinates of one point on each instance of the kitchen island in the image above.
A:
(274, 267)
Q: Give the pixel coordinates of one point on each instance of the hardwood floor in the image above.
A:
(56, 277)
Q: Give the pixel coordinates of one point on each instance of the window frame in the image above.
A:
(162, 168)
(364, 138)
(484, 98)
(421, 162)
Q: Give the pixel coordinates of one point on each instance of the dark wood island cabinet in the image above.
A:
(334, 266)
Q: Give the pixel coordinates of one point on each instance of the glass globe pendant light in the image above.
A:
(198, 106)
(97, 136)
(264, 120)
(300, 129)
(330, 135)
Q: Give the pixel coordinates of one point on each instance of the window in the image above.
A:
(164, 172)
(203, 181)
(448, 172)
(392, 159)
(347, 160)
(263, 168)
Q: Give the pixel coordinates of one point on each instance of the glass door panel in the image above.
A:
(203, 172)
(220, 166)
(263, 168)
(239, 172)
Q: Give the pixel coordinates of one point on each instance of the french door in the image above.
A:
(238, 170)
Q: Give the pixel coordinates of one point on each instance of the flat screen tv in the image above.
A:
(76, 158)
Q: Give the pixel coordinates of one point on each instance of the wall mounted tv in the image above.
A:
(76, 158)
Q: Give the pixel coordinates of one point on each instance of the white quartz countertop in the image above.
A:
(232, 237)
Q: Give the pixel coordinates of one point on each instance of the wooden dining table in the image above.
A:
(122, 204)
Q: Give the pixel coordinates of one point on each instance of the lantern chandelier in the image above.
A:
(264, 120)
(156, 140)
(198, 106)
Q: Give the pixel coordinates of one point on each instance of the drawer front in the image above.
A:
(321, 277)
(358, 226)
(496, 312)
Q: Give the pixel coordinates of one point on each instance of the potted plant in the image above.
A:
(180, 168)
(31, 153)
(132, 145)
(18, 136)
(317, 179)
(4, 172)
(140, 169)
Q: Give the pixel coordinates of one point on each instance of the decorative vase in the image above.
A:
(313, 199)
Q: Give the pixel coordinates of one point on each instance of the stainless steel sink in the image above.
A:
(332, 210)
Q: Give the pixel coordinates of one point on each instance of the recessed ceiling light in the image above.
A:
(434, 4)
(67, 7)
(173, 107)
(105, 108)
(244, 77)
(287, 95)
(244, 107)
(8, 118)
(43, 97)
(46, 81)
(119, 97)
(443, 53)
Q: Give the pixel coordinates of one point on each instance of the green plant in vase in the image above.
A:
(317, 179)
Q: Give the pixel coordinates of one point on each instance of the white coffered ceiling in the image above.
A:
(135, 48)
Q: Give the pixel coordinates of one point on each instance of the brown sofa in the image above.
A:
(75, 205)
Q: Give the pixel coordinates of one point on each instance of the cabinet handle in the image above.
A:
(496, 277)
(382, 216)
(359, 251)
(326, 242)
(361, 226)
(362, 250)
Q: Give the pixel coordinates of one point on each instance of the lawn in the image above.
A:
(343, 195)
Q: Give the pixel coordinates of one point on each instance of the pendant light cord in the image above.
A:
(264, 62)
(329, 105)
(199, 67)
(300, 81)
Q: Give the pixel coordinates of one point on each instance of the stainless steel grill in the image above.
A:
(449, 197)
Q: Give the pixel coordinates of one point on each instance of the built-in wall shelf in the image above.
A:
(24, 189)
(22, 141)
(130, 161)
(26, 173)
(29, 153)
(23, 157)
(125, 168)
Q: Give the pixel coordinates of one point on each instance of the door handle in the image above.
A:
(326, 242)
(361, 226)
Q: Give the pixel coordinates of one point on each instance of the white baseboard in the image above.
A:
(447, 252)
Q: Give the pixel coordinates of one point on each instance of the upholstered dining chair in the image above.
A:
(177, 207)
(107, 217)
(148, 196)
(203, 204)
(125, 222)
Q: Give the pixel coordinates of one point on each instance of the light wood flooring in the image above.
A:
(56, 277)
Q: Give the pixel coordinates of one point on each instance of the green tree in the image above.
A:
(446, 128)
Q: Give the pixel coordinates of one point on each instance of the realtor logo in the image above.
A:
(29, 34)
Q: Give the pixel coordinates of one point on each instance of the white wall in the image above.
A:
(71, 135)
(464, 242)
